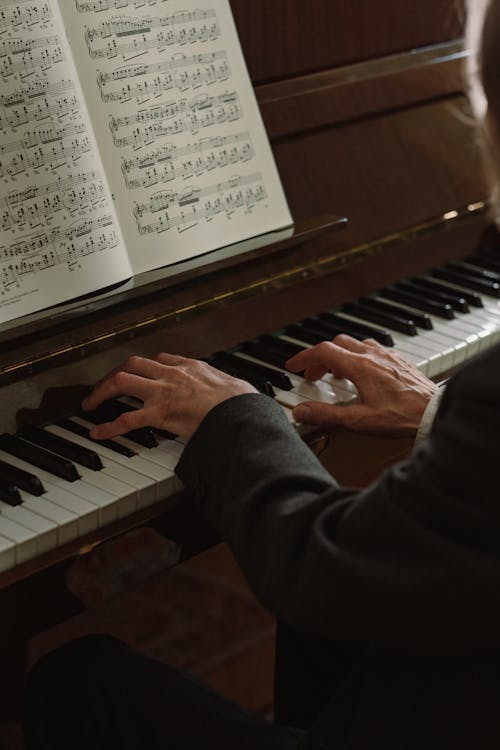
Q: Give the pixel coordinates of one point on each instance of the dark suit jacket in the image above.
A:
(409, 566)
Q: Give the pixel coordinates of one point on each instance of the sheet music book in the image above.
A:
(130, 139)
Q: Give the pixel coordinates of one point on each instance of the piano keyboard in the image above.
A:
(57, 484)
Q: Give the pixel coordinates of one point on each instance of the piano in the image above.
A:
(365, 107)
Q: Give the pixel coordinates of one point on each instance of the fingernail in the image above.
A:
(301, 413)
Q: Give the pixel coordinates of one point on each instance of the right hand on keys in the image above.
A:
(393, 394)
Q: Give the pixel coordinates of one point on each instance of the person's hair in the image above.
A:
(483, 40)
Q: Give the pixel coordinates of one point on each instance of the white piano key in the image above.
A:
(145, 486)
(47, 531)
(161, 479)
(67, 522)
(106, 501)
(87, 513)
(7, 554)
(25, 540)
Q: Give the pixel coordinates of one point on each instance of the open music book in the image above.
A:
(130, 139)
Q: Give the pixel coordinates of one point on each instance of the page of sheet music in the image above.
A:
(176, 120)
(58, 231)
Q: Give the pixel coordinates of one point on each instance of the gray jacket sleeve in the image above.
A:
(411, 562)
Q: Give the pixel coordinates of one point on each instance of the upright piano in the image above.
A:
(378, 152)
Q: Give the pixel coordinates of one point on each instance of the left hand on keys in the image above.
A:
(177, 394)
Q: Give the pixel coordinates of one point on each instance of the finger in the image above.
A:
(130, 420)
(326, 357)
(118, 384)
(350, 343)
(328, 415)
(173, 360)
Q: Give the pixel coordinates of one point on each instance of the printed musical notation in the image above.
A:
(192, 204)
(181, 71)
(54, 204)
(97, 6)
(36, 104)
(32, 254)
(176, 117)
(35, 205)
(21, 56)
(48, 145)
(171, 162)
(132, 37)
(23, 14)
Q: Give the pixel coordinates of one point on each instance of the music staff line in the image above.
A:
(191, 122)
(227, 204)
(174, 73)
(27, 64)
(50, 250)
(159, 41)
(128, 26)
(53, 149)
(37, 205)
(211, 153)
(186, 196)
(24, 17)
(97, 6)
(59, 109)
(171, 109)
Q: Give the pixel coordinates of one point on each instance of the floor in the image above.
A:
(199, 616)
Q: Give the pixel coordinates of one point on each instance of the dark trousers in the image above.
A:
(96, 693)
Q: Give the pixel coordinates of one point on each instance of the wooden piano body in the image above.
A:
(365, 109)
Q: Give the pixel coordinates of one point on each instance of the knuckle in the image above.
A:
(125, 421)
(342, 338)
(119, 379)
(132, 362)
(324, 348)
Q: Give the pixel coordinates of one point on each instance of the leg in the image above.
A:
(98, 693)
(308, 670)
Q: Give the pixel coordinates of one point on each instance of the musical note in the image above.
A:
(185, 117)
(131, 37)
(41, 204)
(34, 254)
(23, 14)
(181, 71)
(170, 162)
(240, 192)
(54, 206)
(97, 6)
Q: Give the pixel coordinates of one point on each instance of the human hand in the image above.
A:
(177, 393)
(393, 394)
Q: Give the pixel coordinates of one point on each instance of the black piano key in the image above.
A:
(9, 493)
(330, 330)
(468, 281)
(304, 333)
(111, 410)
(20, 478)
(454, 301)
(82, 431)
(358, 331)
(419, 319)
(488, 262)
(264, 353)
(367, 313)
(471, 298)
(475, 270)
(246, 370)
(63, 447)
(402, 293)
(40, 457)
(286, 348)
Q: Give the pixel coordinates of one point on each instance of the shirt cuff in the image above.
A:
(425, 426)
